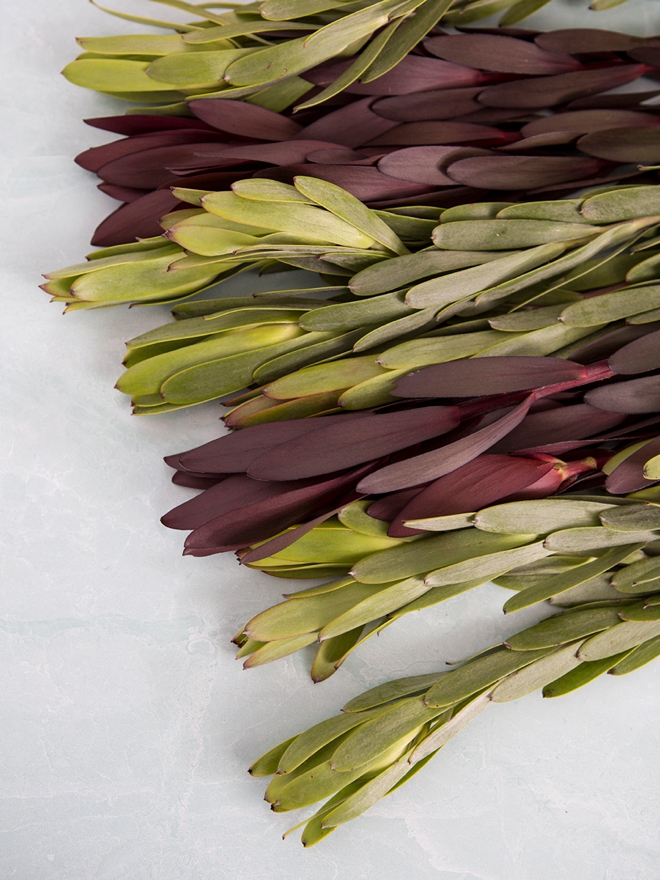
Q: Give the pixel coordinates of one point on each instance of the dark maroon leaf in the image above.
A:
(521, 172)
(418, 107)
(557, 426)
(279, 153)
(640, 145)
(584, 121)
(149, 169)
(629, 475)
(611, 342)
(386, 508)
(350, 126)
(576, 41)
(122, 193)
(443, 132)
(418, 165)
(614, 101)
(546, 91)
(366, 184)
(95, 158)
(438, 462)
(139, 219)
(648, 53)
(194, 481)
(478, 377)
(263, 519)
(635, 396)
(341, 156)
(548, 139)
(477, 484)
(639, 356)
(499, 53)
(342, 445)
(144, 123)
(233, 453)
(246, 120)
(286, 539)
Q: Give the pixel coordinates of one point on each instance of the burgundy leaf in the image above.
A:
(558, 426)
(418, 165)
(387, 507)
(548, 139)
(366, 184)
(499, 53)
(639, 356)
(612, 341)
(635, 396)
(342, 445)
(122, 193)
(648, 53)
(246, 120)
(629, 475)
(149, 169)
(477, 377)
(443, 132)
(520, 172)
(640, 145)
(418, 107)
(350, 126)
(144, 123)
(279, 153)
(438, 462)
(194, 481)
(95, 158)
(413, 74)
(264, 518)
(546, 91)
(139, 219)
(233, 453)
(613, 101)
(585, 121)
(576, 41)
(341, 156)
(476, 484)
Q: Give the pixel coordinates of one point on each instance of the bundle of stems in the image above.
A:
(390, 732)
(261, 51)
(405, 136)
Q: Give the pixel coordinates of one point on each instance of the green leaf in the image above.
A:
(266, 765)
(479, 674)
(332, 543)
(276, 650)
(314, 352)
(393, 690)
(355, 517)
(652, 468)
(262, 190)
(596, 589)
(638, 577)
(488, 566)
(559, 583)
(562, 628)
(439, 349)
(537, 675)
(332, 653)
(584, 540)
(442, 523)
(324, 377)
(426, 554)
(459, 719)
(366, 796)
(524, 321)
(114, 75)
(537, 343)
(308, 615)
(622, 203)
(638, 657)
(371, 393)
(612, 306)
(633, 518)
(623, 637)
(581, 675)
(474, 211)
(342, 204)
(408, 34)
(456, 286)
(245, 28)
(368, 741)
(280, 10)
(306, 744)
(134, 44)
(505, 234)
(414, 323)
(399, 272)
(311, 224)
(640, 612)
(542, 517)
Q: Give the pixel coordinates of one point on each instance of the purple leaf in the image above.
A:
(557, 426)
(418, 107)
(443, 132)
(122, 193)
(520, 172)
(635, 396)
(588, 121)
(279, 153)
(95, 158)
(195, 481)
(262, 519)
(629, 475)
(639, 356)
(500, 53)
(477, 484)
(413, 74)
(350, 126)
(438, 462)
(546, 91)
(418, 165)
(575, 41)
(548, 139)
(478, 377)
(614, 101)
(144, 123)
(640, 145)
(139, 219)
(246, 120)
(149, 169)
(233, 453)
(387, 508)
(606, 345)
(648, 53)
(344, 445)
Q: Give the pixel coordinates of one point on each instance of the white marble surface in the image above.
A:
(126, 725)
